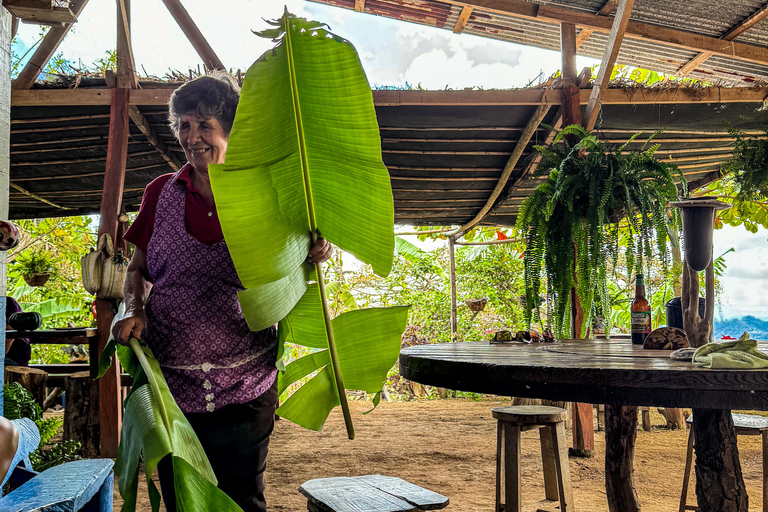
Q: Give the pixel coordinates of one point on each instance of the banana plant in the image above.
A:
(304, 158)
(154, 427)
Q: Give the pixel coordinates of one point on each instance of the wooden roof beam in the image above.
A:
(188, 26)
(605, 10)
(126, 65)
(522, 143)
(732, 34)
(635, 30)
(45, 51)
(612, 47)
(466, 12)
(146, 128)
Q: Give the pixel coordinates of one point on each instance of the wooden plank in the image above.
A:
(195, 37)
(68, 486)
(367, 493)
(360, 5)
(732, 34)
(45, 50)
(146, 128)
(390, 98)
(126, 66)
(605, 10)
(612, 47)
(522, 143)
(635, 30)
(466, 12)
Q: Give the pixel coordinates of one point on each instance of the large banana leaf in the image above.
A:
(153, 428)
(304, 154)
(304, 158)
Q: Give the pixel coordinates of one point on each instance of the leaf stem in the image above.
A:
(332, 351)
(153, 385)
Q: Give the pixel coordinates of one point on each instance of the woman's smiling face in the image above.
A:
(203, 140)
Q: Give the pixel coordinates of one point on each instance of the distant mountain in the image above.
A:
(757, 329)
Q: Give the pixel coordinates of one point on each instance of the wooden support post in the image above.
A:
(110, 410)
(454, 311)
(5, 149)
(719, 482)
(620, 435)
(582, 418)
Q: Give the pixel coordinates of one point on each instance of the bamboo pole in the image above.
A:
(454, 318)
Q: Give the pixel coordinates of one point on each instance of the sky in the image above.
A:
(393, 53)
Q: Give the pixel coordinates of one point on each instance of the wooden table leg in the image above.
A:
(719, 482)
(512, 487)
(620, 434)
(687, 474)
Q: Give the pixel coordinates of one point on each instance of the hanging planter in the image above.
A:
(698, 221)
(36, 279)
(41, 12)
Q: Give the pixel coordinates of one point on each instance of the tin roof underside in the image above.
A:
(696, 16)
(444, 160)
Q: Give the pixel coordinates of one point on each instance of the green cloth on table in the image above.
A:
(730, 354)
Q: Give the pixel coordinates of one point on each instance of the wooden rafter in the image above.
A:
(146, 128)
(126, 65)
(360, 5)
(466, 12)
(612, 47)
(522, 143)
(629, 96)
(732, 34)
(605, 10)
(635, 30)
(35, 196)
(188, 26)
(45, 51)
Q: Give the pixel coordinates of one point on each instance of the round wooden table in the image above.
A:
(615, 373)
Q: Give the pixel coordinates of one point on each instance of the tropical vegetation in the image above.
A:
(570, 222)
(748, 166)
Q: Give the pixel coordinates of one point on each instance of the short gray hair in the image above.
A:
(213, 95)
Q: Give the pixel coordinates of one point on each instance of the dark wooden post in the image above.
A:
(620, 434)
(582, 417)
(110, 409)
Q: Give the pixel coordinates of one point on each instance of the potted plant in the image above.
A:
(748, 164)
(571, 221)
(35, 266)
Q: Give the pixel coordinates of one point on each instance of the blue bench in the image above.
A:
(78, 486)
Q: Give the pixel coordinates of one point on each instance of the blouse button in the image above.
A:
(210, 214)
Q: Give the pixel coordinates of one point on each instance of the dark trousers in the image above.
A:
(235, 439)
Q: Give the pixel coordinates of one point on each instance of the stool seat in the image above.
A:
(530, 414)
(744, 421)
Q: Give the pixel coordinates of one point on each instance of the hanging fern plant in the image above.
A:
(571, 221)
(749, 165)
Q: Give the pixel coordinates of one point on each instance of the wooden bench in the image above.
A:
(370, 493)
(78, 486)
(745, 425)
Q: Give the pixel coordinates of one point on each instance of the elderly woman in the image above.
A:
(222, 375)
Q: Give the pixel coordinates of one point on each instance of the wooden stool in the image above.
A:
(554, 454)
(747, 425)
(370, 493)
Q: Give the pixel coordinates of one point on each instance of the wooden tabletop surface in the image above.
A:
(588, 371)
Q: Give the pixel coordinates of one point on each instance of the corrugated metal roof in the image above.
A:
(703, 17)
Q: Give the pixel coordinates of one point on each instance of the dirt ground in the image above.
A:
(449, 446)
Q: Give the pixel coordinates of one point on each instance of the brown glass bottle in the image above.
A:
(640, 312)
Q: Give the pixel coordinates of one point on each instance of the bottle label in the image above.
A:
(641, 322)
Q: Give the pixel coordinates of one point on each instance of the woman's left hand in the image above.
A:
(320, 252)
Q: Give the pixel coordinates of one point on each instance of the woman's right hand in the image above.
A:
(131, 326)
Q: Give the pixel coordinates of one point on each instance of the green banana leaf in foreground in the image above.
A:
(304, 154)
(304, 157)
(154, 427)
